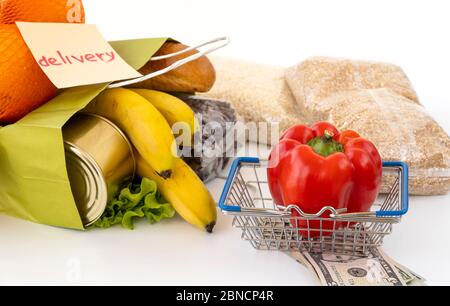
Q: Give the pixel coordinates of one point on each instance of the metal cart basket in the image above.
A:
(246, 196)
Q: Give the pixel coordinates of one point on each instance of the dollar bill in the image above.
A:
(376, 269)
(411, 278)
(301, 259)
(407, 277)
(417, 283)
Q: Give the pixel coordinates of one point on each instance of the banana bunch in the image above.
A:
(185, 191)
(173, 109)
(146, 117)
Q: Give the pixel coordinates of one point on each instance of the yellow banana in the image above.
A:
(172, 108)
(185, 192)
(143, 124)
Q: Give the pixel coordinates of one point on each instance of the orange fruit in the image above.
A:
(23, 84)
(41, 11)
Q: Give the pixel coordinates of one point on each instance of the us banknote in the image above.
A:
(375, 269)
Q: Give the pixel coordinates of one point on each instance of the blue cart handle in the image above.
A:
(404, 176)
(389, 213)
(231, 175)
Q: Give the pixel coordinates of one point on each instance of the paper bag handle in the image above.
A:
(214, 44)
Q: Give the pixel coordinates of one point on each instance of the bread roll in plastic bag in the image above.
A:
(213, 155)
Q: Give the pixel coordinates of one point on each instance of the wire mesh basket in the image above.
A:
(246, 196)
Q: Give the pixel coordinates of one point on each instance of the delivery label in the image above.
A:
(74, 54)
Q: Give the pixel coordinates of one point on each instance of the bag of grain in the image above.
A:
(258, 93)
(377, 100)
(317, 78)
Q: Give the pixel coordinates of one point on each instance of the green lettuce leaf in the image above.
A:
(136, 201)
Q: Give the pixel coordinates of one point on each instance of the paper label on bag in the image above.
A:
(74, 54)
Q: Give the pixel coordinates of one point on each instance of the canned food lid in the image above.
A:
(84, 119)
(88, 184)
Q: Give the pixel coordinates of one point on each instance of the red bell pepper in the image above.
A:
(273, 171)
(318, 166)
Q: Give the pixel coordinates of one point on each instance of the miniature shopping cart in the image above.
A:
(246, 196)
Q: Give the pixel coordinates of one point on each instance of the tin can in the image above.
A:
(98, 158)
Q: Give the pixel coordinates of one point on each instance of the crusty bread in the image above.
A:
(195, 76)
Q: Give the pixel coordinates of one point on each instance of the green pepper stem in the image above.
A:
(325, 145)
(328, 135)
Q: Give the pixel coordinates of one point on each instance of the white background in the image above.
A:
(412, 34)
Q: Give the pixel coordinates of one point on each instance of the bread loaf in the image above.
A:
(195, 76)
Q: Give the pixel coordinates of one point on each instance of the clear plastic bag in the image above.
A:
(317, 78)
(388, 115)
(205, 160)
(259, 94)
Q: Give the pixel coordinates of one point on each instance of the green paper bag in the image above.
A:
(34, 184)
